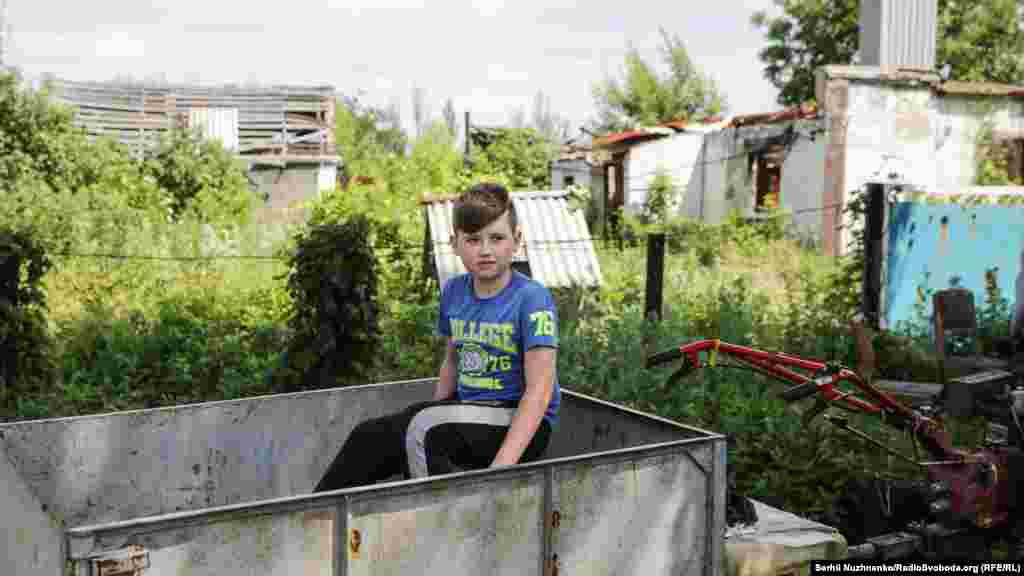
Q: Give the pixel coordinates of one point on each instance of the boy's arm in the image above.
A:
(539, 367)
(445, 387)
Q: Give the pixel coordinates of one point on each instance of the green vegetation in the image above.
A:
(979, 41)
(645, 96)
(89, 334)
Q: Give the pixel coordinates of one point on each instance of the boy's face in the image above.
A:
(487, 254)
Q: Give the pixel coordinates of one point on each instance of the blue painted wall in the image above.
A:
(931, 243)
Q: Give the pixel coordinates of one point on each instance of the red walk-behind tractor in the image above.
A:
(966, 499)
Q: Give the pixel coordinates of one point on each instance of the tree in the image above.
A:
(980, 40)
(645, 97)
(519, 158)
(199, 175)
(548, 123)
(420, 111)
(365, 136)
(517, 118)
(451, 119)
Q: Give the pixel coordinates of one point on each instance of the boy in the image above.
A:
(498, 395)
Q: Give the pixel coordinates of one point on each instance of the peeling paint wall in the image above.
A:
(923, 138)
(931, 246)
(30, 537)
(718, 178)
(726, 185)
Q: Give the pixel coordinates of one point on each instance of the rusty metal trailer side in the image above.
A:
(165, 491)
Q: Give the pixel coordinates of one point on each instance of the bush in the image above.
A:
(191, 346)
(199, 176)
(333, 282)
(519, 158)
(25, 345)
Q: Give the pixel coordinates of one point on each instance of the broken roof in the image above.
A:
(556, 240)
(281, 120)
(632, 136)
(645, 134)
(803, 112)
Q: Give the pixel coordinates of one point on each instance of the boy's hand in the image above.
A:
(539, 368)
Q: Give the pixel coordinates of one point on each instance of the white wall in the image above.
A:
(730, 186)
(327, 176)
(579, 170)
(803, 184)
(677, 155)
(725, 187)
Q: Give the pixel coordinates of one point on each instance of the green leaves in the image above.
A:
(199, 177)
(333, 282)
(519, 158)
(645, 98)
(25, 343)
(980, 40)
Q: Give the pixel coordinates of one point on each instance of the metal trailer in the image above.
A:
(226, 488)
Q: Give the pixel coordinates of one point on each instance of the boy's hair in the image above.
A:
(481, 205)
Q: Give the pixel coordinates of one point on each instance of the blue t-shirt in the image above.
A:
(493, 334)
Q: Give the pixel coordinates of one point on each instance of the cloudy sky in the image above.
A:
(489, 56)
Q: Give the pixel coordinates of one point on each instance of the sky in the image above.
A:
(488, 56)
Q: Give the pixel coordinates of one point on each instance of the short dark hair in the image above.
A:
(482, 204)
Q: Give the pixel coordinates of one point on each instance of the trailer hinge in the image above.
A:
(130, 561)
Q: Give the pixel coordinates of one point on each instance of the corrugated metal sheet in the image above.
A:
(217, 124)
(556, 240)
(898, 33)
(279, 120)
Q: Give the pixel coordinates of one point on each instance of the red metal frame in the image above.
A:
(983, 503)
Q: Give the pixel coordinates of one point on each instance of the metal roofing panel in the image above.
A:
(556, 241)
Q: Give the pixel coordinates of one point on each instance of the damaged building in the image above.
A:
(283, 136)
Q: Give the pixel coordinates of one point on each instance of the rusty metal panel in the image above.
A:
(934, 244)
(296, 542)
(473, 526)
(115, 467)
(30, 537)
(120, 480)
(556, 240)
(635, 516)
